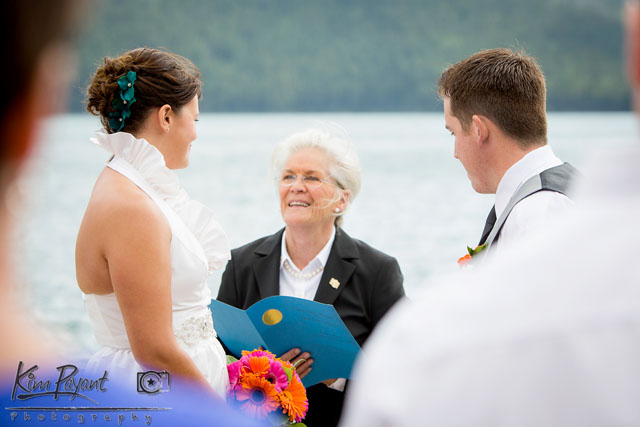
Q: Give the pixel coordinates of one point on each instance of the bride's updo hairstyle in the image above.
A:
(162, 77)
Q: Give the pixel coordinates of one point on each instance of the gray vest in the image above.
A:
(559, 179)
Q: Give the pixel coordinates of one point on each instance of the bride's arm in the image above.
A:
(137, 249)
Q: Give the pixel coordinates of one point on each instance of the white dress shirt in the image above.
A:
(549, 335)
(293, 286)
(536, 210)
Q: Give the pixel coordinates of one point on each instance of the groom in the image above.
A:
(549, 337)
(494, 106)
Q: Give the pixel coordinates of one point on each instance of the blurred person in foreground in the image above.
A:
(36, 81)
(39, 382)
(549, 337)
(495, 108)
(312, 257)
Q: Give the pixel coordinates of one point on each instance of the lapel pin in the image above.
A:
(334, 283)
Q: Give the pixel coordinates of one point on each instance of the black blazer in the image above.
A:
(370, 283)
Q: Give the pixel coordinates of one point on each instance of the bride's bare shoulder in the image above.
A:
(120, 222)
(116, 201)
(113, 191)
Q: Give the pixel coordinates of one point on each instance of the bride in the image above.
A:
(144, 249)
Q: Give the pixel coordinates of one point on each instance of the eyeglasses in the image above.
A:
(309, 181)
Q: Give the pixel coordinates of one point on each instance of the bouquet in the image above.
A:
(267, 387)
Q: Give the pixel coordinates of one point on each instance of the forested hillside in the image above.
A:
(362, 55)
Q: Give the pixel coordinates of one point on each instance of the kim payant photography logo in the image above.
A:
(69, 385)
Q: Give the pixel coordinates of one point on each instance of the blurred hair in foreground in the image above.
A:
(36, 80)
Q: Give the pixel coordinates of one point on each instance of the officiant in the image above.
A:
(317, 175)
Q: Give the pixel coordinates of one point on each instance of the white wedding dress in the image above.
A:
(198, 245)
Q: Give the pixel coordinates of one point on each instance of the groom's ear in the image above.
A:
(480, 129)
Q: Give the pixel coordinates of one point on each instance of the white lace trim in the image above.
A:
(149, 162)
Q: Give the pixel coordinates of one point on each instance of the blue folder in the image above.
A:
(280, 323)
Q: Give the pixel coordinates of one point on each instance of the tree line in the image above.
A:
(361, 55)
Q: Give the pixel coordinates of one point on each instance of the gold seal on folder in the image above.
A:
(272, 317)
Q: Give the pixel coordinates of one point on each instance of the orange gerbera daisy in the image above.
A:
(257, 365)
(257, 396)
(294, 400)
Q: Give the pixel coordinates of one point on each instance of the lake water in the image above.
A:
(416, 202)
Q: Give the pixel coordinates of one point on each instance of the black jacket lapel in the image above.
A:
(266, 268)
(338, 270)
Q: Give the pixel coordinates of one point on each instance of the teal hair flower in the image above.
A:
(122, 103)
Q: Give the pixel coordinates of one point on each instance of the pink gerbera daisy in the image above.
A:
(234, 369)
(258, 353)
(277, 376)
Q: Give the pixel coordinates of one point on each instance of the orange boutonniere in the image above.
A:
(462, 261)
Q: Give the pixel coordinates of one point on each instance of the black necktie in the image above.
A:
(488, 225)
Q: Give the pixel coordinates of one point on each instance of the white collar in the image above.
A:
(530, 165)
(149, 162)
(321, 257)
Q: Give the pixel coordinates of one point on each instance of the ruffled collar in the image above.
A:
(149, 162)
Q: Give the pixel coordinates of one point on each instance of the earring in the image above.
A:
(336, 210)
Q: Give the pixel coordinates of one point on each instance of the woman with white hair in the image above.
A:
(318, 176)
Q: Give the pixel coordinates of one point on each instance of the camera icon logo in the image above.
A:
(153, 382)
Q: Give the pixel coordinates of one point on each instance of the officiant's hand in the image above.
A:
(302, 362)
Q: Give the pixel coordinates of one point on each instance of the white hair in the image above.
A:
(344, 165)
